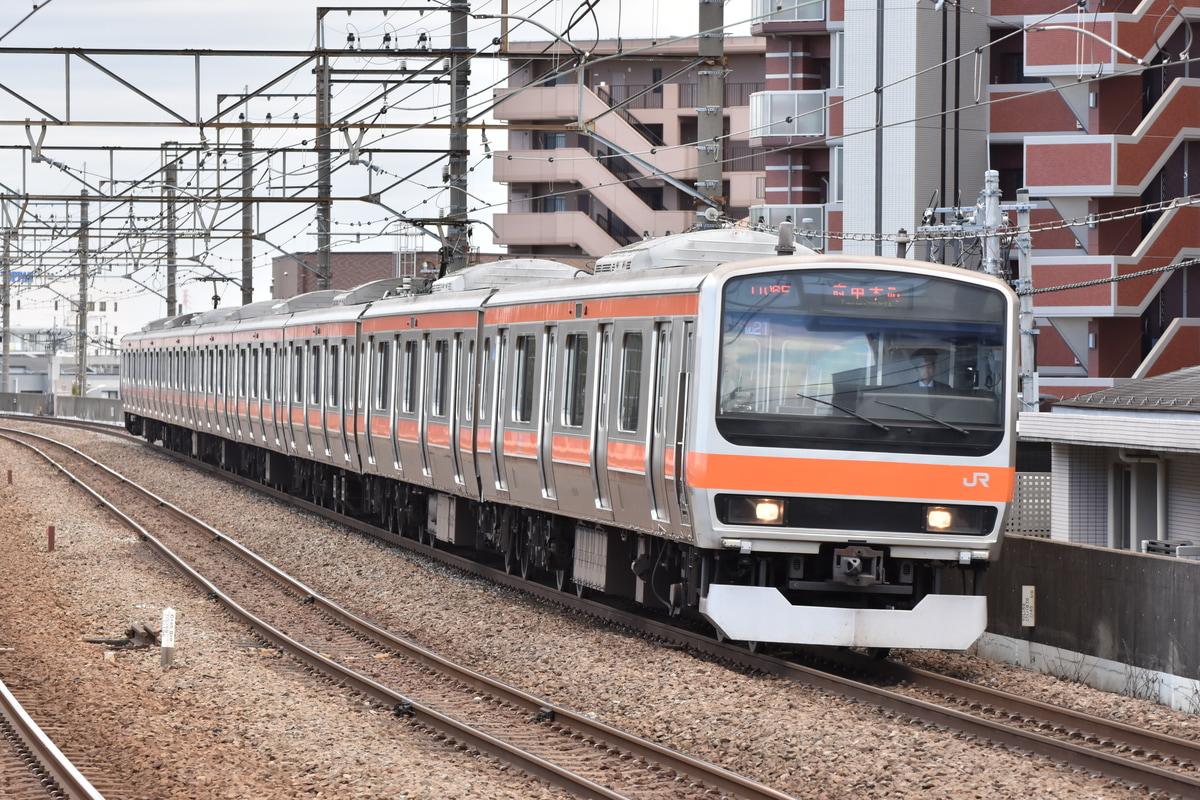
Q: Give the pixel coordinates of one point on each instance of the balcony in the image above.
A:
(1113, 165)
(1069, 53)
(1171, 239)
(773, 15)
(781, 117)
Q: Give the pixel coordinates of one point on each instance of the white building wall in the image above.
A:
(1183, 498)
(1080, 506)
(910, 159)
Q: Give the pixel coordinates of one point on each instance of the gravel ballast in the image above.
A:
(230, 720)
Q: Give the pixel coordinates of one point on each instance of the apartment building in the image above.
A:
(633, 175)
(874, 112)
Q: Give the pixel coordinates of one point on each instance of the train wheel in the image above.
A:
(526, 562)
(511, 561)
(580, 590)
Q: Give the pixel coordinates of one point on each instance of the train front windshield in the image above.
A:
(862, 360)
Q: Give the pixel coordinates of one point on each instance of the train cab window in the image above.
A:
(383, 375)
(833, 359)
(334, 374)
(575, 390)
(524, 378)
(631, 382)
(439, 376)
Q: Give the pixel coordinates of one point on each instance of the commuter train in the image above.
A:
(697, 427)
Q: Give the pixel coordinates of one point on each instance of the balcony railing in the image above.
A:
(736, 94)
(788, 11)
(621, 93)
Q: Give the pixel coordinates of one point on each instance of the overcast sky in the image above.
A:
(269, 25)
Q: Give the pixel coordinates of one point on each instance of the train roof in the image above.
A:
(507, 272)
(712, 247)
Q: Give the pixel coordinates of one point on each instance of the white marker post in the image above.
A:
(166, 637)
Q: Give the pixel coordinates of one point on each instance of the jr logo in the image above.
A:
(978, 479)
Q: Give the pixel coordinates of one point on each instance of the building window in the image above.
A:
(553, 203)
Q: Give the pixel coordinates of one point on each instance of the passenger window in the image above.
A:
(268, 373)
(441, 360)
(298, 375)
(410, 377)
(383, 374)
(631, 382)
(524, 378)
(314, 367)
(575, 390)
(335, 376)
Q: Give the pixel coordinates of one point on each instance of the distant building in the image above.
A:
(1126, 462)
(572, 194)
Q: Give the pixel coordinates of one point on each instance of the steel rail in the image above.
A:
(708, 774)
(44, 752)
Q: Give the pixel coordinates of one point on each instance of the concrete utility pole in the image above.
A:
(991, 222)
(1030, 390)
(5, 302)
(81, 337)
(710, 116)
(324, 166)
(457, 241)
(248, 215)
(171, 179)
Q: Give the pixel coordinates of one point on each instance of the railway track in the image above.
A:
(467, 710)
(1138, 757)
(32, 767)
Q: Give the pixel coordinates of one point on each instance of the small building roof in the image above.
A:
(1159, 414)
(1174, 391)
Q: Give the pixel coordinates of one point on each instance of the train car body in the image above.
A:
(747, 442)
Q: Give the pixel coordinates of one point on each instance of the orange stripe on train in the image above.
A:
(820, 476)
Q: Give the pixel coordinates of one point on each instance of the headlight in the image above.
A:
(754, 511)
(953, 519)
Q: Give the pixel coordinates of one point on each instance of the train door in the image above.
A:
(683, 395)
(602, 391)
(466, 411)
(317, 426)
(545, 416)
(339, 394)
(425, 356)
(374, 403)
(455, 409)
(270, 408)
(661, 424)
(499, 404)
(295, 396)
